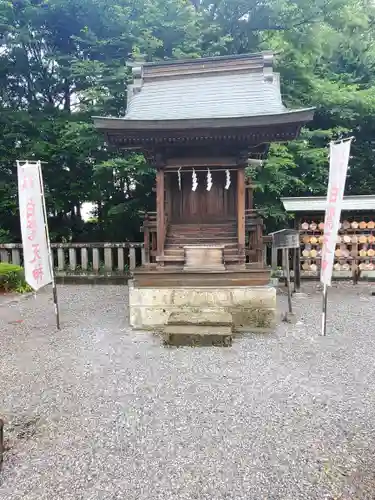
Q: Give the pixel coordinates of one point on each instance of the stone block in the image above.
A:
(198, 335)
(252, 308)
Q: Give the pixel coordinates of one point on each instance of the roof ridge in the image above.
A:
(174, 62)
(262, 62)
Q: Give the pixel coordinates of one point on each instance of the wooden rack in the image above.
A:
(355, 248)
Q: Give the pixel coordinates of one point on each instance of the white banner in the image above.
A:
(34, 238)
(338, 167)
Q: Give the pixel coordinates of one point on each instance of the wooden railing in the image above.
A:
(85, 258)
(255, 250)
(149, 229)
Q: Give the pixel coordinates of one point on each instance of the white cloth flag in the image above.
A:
(34, 238)
(209, 180)
(338, 167)
(194, 181)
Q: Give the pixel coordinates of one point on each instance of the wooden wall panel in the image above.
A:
(202, 205)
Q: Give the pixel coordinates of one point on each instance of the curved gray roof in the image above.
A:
(211, 92)
(210, 88)
(207, 96)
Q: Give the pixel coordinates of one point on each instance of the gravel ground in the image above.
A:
(97, 412)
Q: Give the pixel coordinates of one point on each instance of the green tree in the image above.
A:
(63, 61)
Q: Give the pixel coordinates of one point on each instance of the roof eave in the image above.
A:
(307, 204)
(108, 124)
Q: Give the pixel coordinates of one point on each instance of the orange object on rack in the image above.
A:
(306, 239)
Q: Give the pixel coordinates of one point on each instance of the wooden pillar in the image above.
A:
(241, 211)
(146, 240)
(274, 255)
(167, 196)
(160, 215)
(249, 195)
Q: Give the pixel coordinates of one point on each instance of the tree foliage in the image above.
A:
(62, 61)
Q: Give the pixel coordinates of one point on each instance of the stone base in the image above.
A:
(252, 308)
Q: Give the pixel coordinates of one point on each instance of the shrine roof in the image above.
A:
(318, 203)
(210, 92)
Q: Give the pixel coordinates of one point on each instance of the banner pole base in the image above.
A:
(324, 311)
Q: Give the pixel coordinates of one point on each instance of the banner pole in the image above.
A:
(324, 310)
(339, 156)
(50, 257)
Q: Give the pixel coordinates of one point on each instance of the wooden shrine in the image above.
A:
(200, 122)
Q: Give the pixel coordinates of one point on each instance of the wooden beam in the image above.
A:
(201, 162)
(241, 210)
(160, 215)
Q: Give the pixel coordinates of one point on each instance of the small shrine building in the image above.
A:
(199, 123)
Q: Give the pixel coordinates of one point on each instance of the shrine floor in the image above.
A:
(98, 412)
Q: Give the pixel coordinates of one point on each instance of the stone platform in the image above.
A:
(203, 328)
(252, 308)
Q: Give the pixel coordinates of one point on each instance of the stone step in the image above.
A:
(201, 328)
(198, 330)
(197, 339)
